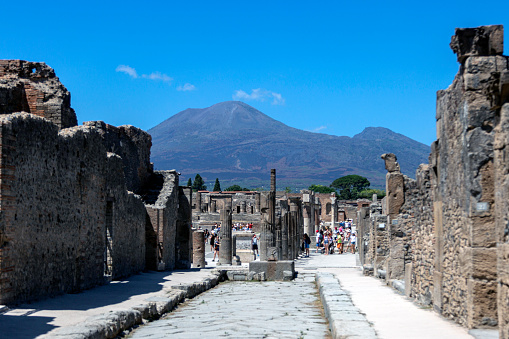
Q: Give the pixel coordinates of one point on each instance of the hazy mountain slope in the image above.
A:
(234, 140)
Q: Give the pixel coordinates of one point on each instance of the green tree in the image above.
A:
(198, 183)
(349, 186)
(237, 188)
(321, 189)
(368, 193)
(288, 189)
(189, 182)
(217, 186)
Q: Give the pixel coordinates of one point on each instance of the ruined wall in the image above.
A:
(466, 276)
(67, 221)
(133, 146)
(419, 280)
(444, 227)
(400, 226)
(34, 88)
(162, 209)
(501, 210)
(184, 241)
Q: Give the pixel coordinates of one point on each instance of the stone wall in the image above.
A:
(162, 210)
(133, 146)
(421, 250)
(67, 222)
(448, 228)
(34, 88)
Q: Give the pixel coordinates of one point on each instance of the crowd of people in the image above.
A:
(341, 239)
(329, 240)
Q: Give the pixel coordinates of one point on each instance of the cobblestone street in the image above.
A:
(246, 310)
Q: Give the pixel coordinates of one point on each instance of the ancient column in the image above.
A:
(225, 235)
(257, 202)
(235, 257)
(334, 210)
(284, 229)
(312, 208)
(243, 207)
(213, 206)
(198, 249)
(306, 211)
(266, 233)
(293, 227)
(198, 202)
(273, 180)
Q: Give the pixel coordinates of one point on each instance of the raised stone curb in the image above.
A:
(345, 319)
(110, 325)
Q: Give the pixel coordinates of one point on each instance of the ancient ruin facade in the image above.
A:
(80, 205)
(446, 231)
(34, 88)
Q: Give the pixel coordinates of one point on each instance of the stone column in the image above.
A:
(306, 211)
(284, 229)
(267, 241)
(273, 180)
(213, 206)
(312, 204)
(198, 249)
(235, 258)
(257, 202)
(293, 227)
(243, 207)
(198, 202)
(334, 210)
(225, 247)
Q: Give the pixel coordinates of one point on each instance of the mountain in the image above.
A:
(237, 143)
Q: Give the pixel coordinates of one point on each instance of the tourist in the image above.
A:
(326, 242)
(212, 239)
(254, 245)
(346, 241)
(340, 243)
(318, 240)
(307, 242)
(216, 249)
(353, 240)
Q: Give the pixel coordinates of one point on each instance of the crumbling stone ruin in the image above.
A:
(33, 87)
(445, 234)
(80, 205)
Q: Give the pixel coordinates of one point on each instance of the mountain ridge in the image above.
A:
(232, 140)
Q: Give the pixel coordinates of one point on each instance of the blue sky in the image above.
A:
(330, 66)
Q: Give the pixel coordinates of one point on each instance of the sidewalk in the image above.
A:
(43, 317)
(392, 315)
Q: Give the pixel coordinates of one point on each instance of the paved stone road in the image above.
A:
(246, 310)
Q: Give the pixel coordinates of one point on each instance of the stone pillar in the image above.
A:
(265, 234)
(273, 180)
(311, 227)
(257, 202)
(225, 235)
(198, 202)
(198, 249)
(394, 184)
(213, 206)
(334, 210)
(306, 211)
(243, 207)
(235, 257)
(284, 229)
(293, 227)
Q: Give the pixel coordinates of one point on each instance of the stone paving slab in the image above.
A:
(245, 310)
